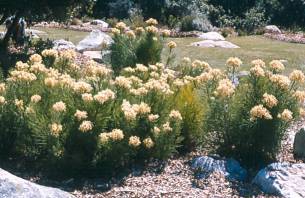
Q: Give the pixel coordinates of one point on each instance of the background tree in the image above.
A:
(34, 10)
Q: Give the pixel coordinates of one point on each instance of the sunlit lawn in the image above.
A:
(252, 47)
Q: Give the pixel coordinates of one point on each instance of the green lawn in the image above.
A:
(252, 47)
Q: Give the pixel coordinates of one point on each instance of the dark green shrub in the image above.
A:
(187, 23)
(142, 46)
(249, 121)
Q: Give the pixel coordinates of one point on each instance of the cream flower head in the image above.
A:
(261, 112)
(234, 62)
(286, 115)
(134, 141)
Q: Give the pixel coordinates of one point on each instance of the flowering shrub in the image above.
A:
(141, 45)
(248, 115)
(83, 116)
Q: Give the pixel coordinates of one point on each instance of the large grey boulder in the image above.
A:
(299, 144)
(94, 41)
(100, 23)
(15, 187)
(214, 36)
(272, 29)
(283, 179)
(211, 43)
(206, 165)
(63, 45)
(2, 34)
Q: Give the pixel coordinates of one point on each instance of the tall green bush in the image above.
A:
(248, 120)
(141, 45)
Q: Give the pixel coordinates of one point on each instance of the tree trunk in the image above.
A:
(4, 17)
(11, 29)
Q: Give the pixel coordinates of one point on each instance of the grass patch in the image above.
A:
(252, 47)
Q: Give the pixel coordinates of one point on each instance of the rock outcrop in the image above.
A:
(12, 186)
(206, 165)
(282, 179)
(94, 41)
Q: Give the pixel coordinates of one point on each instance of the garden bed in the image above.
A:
(287, 37)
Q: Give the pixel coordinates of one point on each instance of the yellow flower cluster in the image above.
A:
(35, 98)
(234, 62)
(280, 80)
(165, 33)
(152, 29)
(300, 96)
(276, 66)
(148, 143)
(297, 76)
(131, 34)
(59, 107)
(19, 104)
(35, 58)
(261, 112)
(153, 117)
(259, 63)
(286, 115)
(270, 100)
(166, 127)
(104, 96)
(131, 111)
(115, 135)
(199, 64)
(55, 129)
(225, 88)
(175, 114)
(80, 115)
(134, 141)
(68, 54)
(21, 66)
(257, 71)
(141, 68)
(152, 21)
(87, 97)
(142, 91)
(2, 88)
(172, 45)
(86, 126)
(82, 87)
(21, 76)
(2, 100)
(115, 31)
(302, 112)
(49, 53)
(139, 30)
(123, 82)
(121, 26)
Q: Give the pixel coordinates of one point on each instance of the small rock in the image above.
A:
(94, 41)
(273, 29)
(206, 165)
(101, 23)
(63, 45)
(282, 179)
(299, 144)
(210, 43)
(214, 36)
(33, 32)
(12, 186)
(225, 44)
